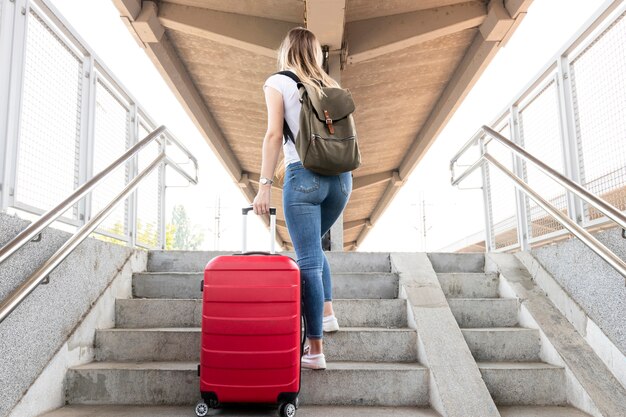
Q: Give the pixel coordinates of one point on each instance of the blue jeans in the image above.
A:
(312, 203)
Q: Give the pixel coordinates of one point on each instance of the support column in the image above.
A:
(336, 231)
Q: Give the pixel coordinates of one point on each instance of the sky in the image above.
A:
(427, 213)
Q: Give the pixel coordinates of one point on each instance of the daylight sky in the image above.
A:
(426, 199)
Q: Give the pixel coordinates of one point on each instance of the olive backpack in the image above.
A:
(327, 141)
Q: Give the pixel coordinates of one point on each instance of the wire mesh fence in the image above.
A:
(598, 76)
(50, 120)
(73, 120)
(148, 195)
(540, 135)
(572, 118)
(111, 139)
(503, 207)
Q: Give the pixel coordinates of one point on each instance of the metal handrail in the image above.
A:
(20, 293)
(597, 202)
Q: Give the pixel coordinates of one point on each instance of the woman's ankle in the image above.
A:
(315, 346)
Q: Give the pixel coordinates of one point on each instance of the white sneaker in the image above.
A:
(313, 361)
(330, 324)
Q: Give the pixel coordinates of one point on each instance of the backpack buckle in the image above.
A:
(329, 122)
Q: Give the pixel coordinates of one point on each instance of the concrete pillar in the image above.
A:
(336, 231)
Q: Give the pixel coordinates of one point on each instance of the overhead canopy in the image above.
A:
(409, 64)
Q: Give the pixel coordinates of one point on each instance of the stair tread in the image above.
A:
(198, 329)
(483, 298)
(499, 329)
(253, 411)
(508, 365)
(540, 411)
(192, 366)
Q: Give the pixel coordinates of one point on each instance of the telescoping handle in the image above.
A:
(244, 229)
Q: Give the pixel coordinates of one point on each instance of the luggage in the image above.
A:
(252, 339)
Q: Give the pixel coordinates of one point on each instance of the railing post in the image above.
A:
(523, 232)
(569, 139)
(91, 136)
(86, 122)
(132, 173)
(489, 238)
(13, 29)
(162, 188)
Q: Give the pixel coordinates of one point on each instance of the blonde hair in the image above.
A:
(301, 53)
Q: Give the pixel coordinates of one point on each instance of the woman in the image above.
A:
(311, 202)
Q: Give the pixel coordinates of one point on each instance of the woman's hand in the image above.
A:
(261, 203)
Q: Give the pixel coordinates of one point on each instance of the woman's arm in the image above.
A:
(272, 144)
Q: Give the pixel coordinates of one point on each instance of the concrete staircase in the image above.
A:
(150, 357)
(507, 355)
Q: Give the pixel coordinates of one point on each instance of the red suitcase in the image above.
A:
(251, 329)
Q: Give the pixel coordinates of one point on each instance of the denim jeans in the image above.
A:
(312, 203)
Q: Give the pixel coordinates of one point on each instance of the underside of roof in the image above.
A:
(409, 64)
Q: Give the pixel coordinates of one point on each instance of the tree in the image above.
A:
(183, 237)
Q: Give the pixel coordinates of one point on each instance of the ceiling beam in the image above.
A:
(163, 55)
(370, 180)
(261, 35)
(128, 8)
(326, 18)
(371, 38)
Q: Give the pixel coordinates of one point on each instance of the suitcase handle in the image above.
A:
(244, 229)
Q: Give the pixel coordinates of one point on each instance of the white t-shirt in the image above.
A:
(291, 106)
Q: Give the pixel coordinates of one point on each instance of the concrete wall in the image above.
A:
(596, 287)
(39, 328)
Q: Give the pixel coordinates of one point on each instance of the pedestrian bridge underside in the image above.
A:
(409, 64)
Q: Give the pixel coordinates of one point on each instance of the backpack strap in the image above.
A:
(287, 133)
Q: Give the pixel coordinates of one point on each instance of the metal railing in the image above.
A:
(571, 117)
(41, 274)
(486, 134)
(64, 117)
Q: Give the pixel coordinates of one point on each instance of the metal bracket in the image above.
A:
(45, 281)
(36, 238)
(624, 233)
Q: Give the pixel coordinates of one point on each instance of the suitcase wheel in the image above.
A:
(202, 409)
(287, 410)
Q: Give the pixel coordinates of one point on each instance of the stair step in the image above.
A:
(503, 344)
(484, 312)
(183, 344)
(457, 262)
(469, 285)
(177, 383)
(524, 383)
(146, 313)
(183, 285)
(195, 261)
(540, 411)
(256, 410)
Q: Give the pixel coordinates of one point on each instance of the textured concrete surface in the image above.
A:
(142, 313)
(484, 312)
(456, 386)
(183, 344)
(524, 383)
(590, 281)
(362, 383)
(254, 411)
(601, 344)
(176, 383)
(457, 262)
(38, 328)
(469, 285)
(184, 285)
(195, 261)
(540, 411)
(605, 392)
(503, 343)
